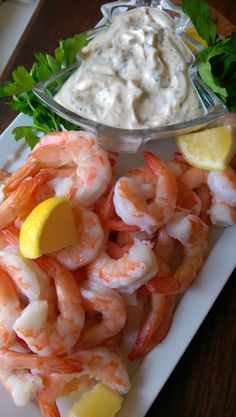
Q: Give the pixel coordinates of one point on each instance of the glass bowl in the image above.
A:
(130, 140)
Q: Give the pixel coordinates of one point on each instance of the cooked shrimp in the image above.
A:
(9, 309)
(158, 321)
(109, 303)
(57, 385)
(22, 385)
(155, 326)
(188, 200)
(127, 273)
(21, 201)
(145, 179)
(130, 202)
(53, 337)
(9, 360)
(192, 233)
(78, 151)
(222, 185)
(91, 240)
(103, 365)
(29, 279)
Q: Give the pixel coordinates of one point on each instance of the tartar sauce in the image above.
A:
(134, 74)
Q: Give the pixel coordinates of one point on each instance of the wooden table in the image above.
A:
(204, 383)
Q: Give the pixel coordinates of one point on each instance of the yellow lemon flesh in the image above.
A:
(48, 228)
(101, 401)
(192, 32)
(210, 149)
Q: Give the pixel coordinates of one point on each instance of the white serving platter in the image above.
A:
(151, 374)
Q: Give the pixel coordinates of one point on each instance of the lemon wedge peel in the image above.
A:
(49, 227)
(101, 401)
(210, 149)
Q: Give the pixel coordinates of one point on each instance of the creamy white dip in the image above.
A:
(134, 74)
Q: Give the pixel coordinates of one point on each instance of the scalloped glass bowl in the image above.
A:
(130, 140)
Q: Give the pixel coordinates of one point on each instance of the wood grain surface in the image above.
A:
(204, 382)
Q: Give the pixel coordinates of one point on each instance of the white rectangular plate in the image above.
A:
(154, 370)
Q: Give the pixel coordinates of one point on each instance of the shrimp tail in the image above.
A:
(48, 410)
(155, 327)
(60, 365)
(28, 169)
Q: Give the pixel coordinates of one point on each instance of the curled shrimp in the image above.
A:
(29, 279)
(131, 205)
(9, 309)
(222, 185)
(105, 366)
(91, 240)
(127, 273)
(77, 151)
(109, 303)
(45, 335)
(192, 233)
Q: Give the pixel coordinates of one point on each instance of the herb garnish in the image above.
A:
(217, 62)
(25, 101)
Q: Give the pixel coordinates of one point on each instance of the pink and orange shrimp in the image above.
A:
(131, 205)
(77, 151)
(46, 335)
(100, 299)
(192, 233)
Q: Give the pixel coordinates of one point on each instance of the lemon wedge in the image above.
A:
(48, 228)
(210, 149)
(101, 401)
(192, 32)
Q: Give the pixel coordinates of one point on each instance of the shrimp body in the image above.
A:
(192, 233)
(77, 151)
(222, 185)
(9, 309)
(91, 240)
(53, 337)
(30, 280)
(22, 385)
(127, 273)
(108, 302)
(130, 199)
(105, 366)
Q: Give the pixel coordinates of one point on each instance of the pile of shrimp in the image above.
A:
(63, 316)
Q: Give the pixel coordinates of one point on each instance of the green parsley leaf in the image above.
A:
(218, 69)
(25, 101)
(28, 133)
(200, 15)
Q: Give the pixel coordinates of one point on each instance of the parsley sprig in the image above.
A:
(218, 61)
(24, 100)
